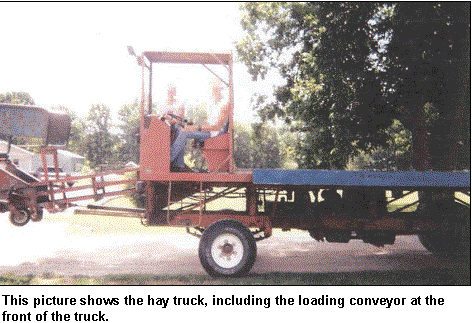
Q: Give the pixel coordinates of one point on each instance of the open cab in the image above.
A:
(155, 132)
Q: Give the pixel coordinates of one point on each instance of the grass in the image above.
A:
(457, 274)
(12, 279)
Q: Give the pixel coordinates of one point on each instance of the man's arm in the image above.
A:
(181, 111)
(222, 118)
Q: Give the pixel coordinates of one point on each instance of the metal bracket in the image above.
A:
(259, 238)
(197, 233)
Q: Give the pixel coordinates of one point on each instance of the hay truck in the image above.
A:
(335, 206)
(332, 206)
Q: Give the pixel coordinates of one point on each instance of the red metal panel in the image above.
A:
(155, 157)
(237, 177)
(205, 220)
(154, 149)
(9, 180)
(217, 153)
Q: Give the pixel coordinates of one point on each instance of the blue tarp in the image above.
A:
(340, 178)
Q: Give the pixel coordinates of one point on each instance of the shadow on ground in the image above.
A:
(458, 273)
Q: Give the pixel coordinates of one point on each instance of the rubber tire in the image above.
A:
(19, 223)
(452, 241)
(38, 217)
(245, 237)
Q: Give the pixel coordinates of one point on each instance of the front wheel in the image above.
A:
(20, 217)
(227, 248)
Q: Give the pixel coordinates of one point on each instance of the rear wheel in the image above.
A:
(227, 248)
(451, 240)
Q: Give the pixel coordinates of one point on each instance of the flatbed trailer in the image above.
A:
(231, 209)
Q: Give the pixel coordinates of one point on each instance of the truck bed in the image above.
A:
(340, 178)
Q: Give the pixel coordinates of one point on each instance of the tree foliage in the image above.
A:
(99, 140)
(430, 62)
(257, 146)
(351, 69)
(23, 98)
(128, 124)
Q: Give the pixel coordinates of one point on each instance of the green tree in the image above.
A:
(288, 141)
(319, 97)
(128, 124)
(23, 98)
(429, 62)
(352, 69)
(99, 140)
(257, 146)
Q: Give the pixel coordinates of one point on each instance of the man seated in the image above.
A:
(218, 122)
(172, 107)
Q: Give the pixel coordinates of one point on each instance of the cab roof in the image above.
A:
(188, 58)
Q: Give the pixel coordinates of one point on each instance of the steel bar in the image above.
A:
(69, 200)
(106, 213)
(80, 177)
(113, 208)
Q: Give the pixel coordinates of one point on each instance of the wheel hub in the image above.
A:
(227, 250)
(21, 216)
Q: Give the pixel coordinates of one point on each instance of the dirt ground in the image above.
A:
(63, 246)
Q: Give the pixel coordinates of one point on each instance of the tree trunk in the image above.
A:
(421, 157)
(460, 105)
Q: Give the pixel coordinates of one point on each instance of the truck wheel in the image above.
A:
(37, 216)
(227, 248)
(450, 241)
(19, 217)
